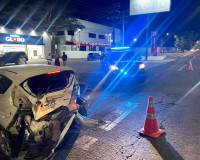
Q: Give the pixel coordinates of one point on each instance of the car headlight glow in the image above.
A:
(142, 66)
(113, 67)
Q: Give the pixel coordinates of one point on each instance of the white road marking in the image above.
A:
(115, 122)
(119, 114)
(85, 142)
(180, 69)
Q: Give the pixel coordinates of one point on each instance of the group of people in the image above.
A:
(57, 61)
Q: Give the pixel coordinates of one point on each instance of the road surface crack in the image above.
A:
(128, 151)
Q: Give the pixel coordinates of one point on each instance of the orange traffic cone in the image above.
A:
(190, 67)
(150, 125)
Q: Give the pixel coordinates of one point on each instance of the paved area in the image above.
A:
(161, 56)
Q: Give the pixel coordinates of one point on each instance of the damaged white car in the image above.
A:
(38, 105)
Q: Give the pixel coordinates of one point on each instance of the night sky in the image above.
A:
(186, 12)
(184, 15)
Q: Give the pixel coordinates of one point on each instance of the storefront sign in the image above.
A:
(149, 6)
(20, 39)
(14, 38)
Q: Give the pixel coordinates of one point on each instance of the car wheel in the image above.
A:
(2, 64)
(16, 63)
(82, 110)
(6, 145)
(141, 79)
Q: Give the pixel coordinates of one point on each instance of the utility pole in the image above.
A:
(147, 36)
(123, 29)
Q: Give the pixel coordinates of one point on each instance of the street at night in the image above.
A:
(175, 93)
(99, 80)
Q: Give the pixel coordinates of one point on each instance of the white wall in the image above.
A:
(79, 54)
(83, 36)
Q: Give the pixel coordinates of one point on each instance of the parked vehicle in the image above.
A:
(93, 56)
(11, 57)
(121, 62)
(38, 106)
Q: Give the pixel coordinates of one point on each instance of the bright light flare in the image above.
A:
(113, 68)
(118, 48)
(142, 66)
(44, 34)
(33, 32)
(18, 31)
(2, 28)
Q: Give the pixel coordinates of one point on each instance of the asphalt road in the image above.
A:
(175, 91)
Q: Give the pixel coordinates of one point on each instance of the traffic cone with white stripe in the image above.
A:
(190, 67)
(150, 125)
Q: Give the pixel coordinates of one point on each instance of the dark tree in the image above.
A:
(186, 40)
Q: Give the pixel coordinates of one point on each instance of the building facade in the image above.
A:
(36, 45)
(94, 37)
(77, 44)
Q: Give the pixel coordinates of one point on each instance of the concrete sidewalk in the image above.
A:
(167, 56)
(159, 57)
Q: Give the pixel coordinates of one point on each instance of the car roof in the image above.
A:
(19, 73)
(15, 52)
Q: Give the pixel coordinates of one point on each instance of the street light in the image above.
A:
(2, 28)
(44, 33)
(135, 39)
(33, 32)
(18, 31)
(79, 37)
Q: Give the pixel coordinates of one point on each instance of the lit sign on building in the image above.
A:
(20, 39)
(14, 38)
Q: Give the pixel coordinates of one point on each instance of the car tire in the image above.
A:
(141, 79)
(2, 64)
(6, 144)
(16, 63)
(82, 110)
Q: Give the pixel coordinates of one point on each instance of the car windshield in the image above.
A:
(48, 82)
(122, 56)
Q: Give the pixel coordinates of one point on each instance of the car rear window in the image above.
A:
(48, 82)
(4, 84)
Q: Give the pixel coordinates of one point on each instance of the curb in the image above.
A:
(154, 58)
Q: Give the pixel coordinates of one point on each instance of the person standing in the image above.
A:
(57, 61)
(49, 59)
(64, 58)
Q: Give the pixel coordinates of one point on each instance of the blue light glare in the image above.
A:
(122, 70)
(170, 19)
(121, 48)
(125, 72)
